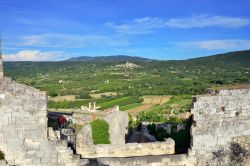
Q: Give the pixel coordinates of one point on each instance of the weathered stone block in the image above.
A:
(31, 145)
(15, 144)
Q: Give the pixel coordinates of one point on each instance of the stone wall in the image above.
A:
(218, 121)
(23, 128)
(128, 150)
(118, 126)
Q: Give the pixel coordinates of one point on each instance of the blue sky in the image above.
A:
(160, 29)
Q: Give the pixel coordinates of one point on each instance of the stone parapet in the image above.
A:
(128, 150)
(160, 160)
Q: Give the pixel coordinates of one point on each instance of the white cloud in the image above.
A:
(138, 26)
(216, 45)
(208, 21)
(34, 55)
(72, 41)
(150, 24)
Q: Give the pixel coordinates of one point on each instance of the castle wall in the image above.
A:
(218, 123)
(23, 128)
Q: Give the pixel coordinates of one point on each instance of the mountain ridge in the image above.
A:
(237, 57)
(113, 58)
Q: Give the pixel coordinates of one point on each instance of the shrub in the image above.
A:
(2, 156)
(161, 134)
(100, 132)
(83, 95)
(53, 94)
(182, 140)
(152, 129)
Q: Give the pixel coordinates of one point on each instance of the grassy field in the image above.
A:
(124, 101)
(62, 98)
(155, 99)
(141, 108)
(130, 106)
(68, 104)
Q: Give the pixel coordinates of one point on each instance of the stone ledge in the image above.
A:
(128, 150)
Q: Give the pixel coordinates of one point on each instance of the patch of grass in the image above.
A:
(100, 131)
(130, 106)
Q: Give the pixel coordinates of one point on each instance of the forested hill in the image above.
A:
(241, 58)
(191, 76)
(112, 58)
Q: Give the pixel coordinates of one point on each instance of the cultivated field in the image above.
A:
(155, 99)
(149, 102)
(138, 109)
(100, 95)
(62, 98)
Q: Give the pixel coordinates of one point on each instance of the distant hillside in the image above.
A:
(79, 76)
(112, 58)
(241, 58)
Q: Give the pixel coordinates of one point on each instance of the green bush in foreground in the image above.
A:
(100, 132)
